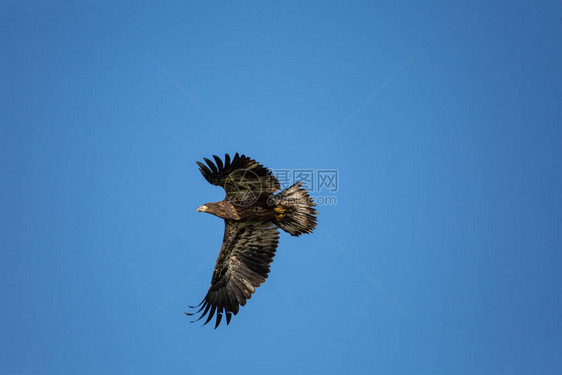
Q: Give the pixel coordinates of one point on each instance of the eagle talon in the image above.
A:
(281, 211)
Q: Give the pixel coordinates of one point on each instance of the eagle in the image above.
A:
(252, 214)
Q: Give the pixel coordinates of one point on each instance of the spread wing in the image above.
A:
(242, 266)
(243, 179)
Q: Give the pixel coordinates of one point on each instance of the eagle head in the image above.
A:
(215, 208)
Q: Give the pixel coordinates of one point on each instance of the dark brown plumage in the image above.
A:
(252, 215)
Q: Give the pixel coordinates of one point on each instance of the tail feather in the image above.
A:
(296, 210)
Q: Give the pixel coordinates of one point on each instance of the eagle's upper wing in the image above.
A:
(243, 264)
(244, 179)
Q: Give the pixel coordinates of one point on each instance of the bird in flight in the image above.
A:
(252, 214)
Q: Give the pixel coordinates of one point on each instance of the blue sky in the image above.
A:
(448, 196)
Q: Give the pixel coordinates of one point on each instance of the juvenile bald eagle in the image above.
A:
(252, 214)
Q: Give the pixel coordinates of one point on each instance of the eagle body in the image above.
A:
(261, 211)
(253, 211)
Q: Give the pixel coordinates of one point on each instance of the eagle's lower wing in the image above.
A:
(243, 264)
(244, 179)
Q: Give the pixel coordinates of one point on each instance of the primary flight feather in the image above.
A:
(252, 214)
